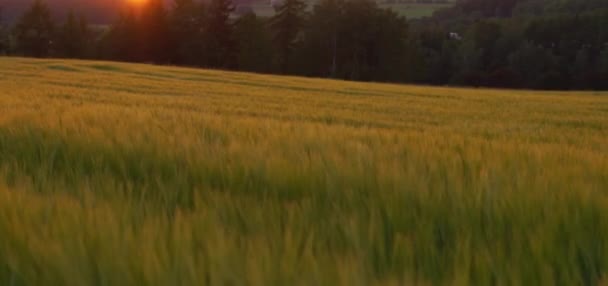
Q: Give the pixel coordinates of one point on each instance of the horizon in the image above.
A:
(504, 60)
(96, 11)
(106, 11)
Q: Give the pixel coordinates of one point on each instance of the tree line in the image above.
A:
(537, 44)
(498, 43)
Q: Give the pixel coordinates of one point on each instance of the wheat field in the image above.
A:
(124, 174)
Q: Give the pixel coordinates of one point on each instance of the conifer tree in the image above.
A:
(186, 30)
(73, 37)
(34, 31)
(154, 32)
(323, 36)
(123, 38)
(287, 24)
(254, 44)
(220, 45)
(3, 36)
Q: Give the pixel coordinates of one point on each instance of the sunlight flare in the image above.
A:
(136, 2)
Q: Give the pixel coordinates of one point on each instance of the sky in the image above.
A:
(97, 11)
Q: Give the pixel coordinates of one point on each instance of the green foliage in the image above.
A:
(528, 43)
(602, 67)
(322, 44)
(219, 42)
(538, 44)
(255, 47)
(35, 30)
(141, 35)
(186, 18)
(287, 25)
(603, 61)
(354, 40)
(121, 42)
(153, 32)
(74, 37)
(531, 62)
(4, 36)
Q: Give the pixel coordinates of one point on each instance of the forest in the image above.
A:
(531, 44)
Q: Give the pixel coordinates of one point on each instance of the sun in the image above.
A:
(136, 2)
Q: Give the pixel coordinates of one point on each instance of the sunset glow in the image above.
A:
(136, 2)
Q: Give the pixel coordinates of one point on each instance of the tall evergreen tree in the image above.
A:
(603, 61)
(602, 68)
(220, 45)
(34, 31)
(73, 37)
(3, 36)
(323, 47)
(122, 39)
(389, 50)
(582, 69)
(186, 29)
(154, 32)
(360, 36)
(254, 44)
(287, 24)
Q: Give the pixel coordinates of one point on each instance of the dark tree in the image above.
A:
(287, 24)
(3, 36)
(354, 40)
(323, 44)
(535, 65)
(154, 32)
(73, 37)
(602, 68)
(359, 37)
(582, 70)
(255, 52)
(485, 36)
(220, 45)
(475, 55)
(34, 31)
(186, 29)
(388, 52)
(543, 44)
(122, 40)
